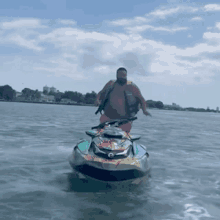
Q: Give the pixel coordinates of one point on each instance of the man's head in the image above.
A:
(121, 76)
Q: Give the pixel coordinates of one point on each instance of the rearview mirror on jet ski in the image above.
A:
(135, 137)
(92, 134)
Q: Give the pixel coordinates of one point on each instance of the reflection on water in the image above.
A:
(36, 181)
(121, 201)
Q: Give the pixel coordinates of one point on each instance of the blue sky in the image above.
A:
(171, 49)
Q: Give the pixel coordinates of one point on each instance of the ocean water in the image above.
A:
(36, 181)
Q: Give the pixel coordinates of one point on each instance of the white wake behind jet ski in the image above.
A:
(111, 155)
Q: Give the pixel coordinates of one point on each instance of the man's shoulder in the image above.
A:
(109, 85)
(131, 84)
(133, 87)
(112, 81)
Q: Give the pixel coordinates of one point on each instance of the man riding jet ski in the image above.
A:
(112, 155)
(120, 99)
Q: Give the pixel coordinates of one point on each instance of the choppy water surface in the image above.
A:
(36, 181)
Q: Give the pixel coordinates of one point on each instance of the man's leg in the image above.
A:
(126, 127)
(104, 118)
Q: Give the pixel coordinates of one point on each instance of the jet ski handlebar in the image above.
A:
(118, 121)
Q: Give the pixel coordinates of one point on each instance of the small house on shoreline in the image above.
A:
(67, 101)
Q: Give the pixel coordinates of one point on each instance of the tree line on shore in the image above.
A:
(9, 94)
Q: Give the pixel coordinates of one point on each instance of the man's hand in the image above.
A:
(97, 102)
(147, 113)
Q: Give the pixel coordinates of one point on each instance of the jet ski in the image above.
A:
(111, 155)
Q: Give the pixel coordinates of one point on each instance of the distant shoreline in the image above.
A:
(92, 105)
(50, 103)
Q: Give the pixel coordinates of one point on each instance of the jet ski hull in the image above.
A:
(85, 162)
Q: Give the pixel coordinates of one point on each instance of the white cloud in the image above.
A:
(22, 32)
(165, 12)
(22, 23)
(60, 67)
(66, 22)
(129, 22)
(102, 70)
(149, 17)
(121, 22)
(198, 50)
(217, 25)
(149, 27)
(141, 24)
(212, 7)
(196, 19)
(211, 36)
(20, 41)
(170, 11)
(140, 19)
(74, 38)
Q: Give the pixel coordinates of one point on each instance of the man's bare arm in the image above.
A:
(139, 96)
(143, 103)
